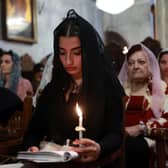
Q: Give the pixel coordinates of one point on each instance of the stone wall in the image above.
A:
(47, 19)
(134, 24)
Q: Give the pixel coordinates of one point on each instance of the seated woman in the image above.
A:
(37, 75)
(163, 63)
(10, 75)
(80, 74)
(144, 103)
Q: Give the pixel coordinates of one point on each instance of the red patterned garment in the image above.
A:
(137, 110)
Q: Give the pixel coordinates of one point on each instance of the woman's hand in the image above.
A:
(33, 149)
(87, 149)
(134, 130)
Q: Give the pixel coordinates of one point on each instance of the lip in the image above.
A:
(70, 68)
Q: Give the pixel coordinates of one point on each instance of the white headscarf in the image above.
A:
(157, 84)
(46, 78)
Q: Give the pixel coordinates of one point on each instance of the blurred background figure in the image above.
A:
(10, 75)
(163, 63)
(46, 78)
(153, 44)
(37, 75)
(114, 55)
(45, 59)
(114, 37)
(27, 65)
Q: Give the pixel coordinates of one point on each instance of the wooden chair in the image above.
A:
(12, 133)
(160, 135)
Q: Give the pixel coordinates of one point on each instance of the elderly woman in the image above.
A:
(10, 75)
(144, 103)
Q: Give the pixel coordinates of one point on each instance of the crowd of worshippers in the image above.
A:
(143, 75)
(20, 74)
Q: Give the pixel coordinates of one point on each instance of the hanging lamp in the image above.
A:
(114, 6)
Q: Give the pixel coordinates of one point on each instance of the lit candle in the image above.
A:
(80, 127)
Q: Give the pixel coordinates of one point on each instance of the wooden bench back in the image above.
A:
(11, 134)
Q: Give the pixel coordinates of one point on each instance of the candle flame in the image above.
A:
(78, 110)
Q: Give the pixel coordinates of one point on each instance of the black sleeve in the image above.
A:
(114, 126)
(37, 127)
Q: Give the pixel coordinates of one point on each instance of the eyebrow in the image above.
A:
(75, 48)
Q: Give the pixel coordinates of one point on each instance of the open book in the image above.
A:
(49, 153)
(47, 156)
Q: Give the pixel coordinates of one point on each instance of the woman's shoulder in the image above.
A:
(24, 86)
(24, 81)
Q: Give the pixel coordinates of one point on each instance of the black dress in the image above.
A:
(55, 119)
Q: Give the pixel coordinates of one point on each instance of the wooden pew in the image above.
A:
(11, 134)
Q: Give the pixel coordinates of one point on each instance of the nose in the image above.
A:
(69, 59)
(136, 65)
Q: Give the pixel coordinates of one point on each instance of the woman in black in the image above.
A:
(80, 74)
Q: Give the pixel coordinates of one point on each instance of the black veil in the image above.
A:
(95, 67)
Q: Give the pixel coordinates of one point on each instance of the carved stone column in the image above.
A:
(161, 21)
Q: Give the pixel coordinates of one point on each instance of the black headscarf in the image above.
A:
(9, 104)
(94, 65)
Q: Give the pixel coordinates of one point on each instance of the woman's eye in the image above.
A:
(141, 62)
(130, 63)
(5, 61)
(163, 62)
(77, 52)
(61, 53)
